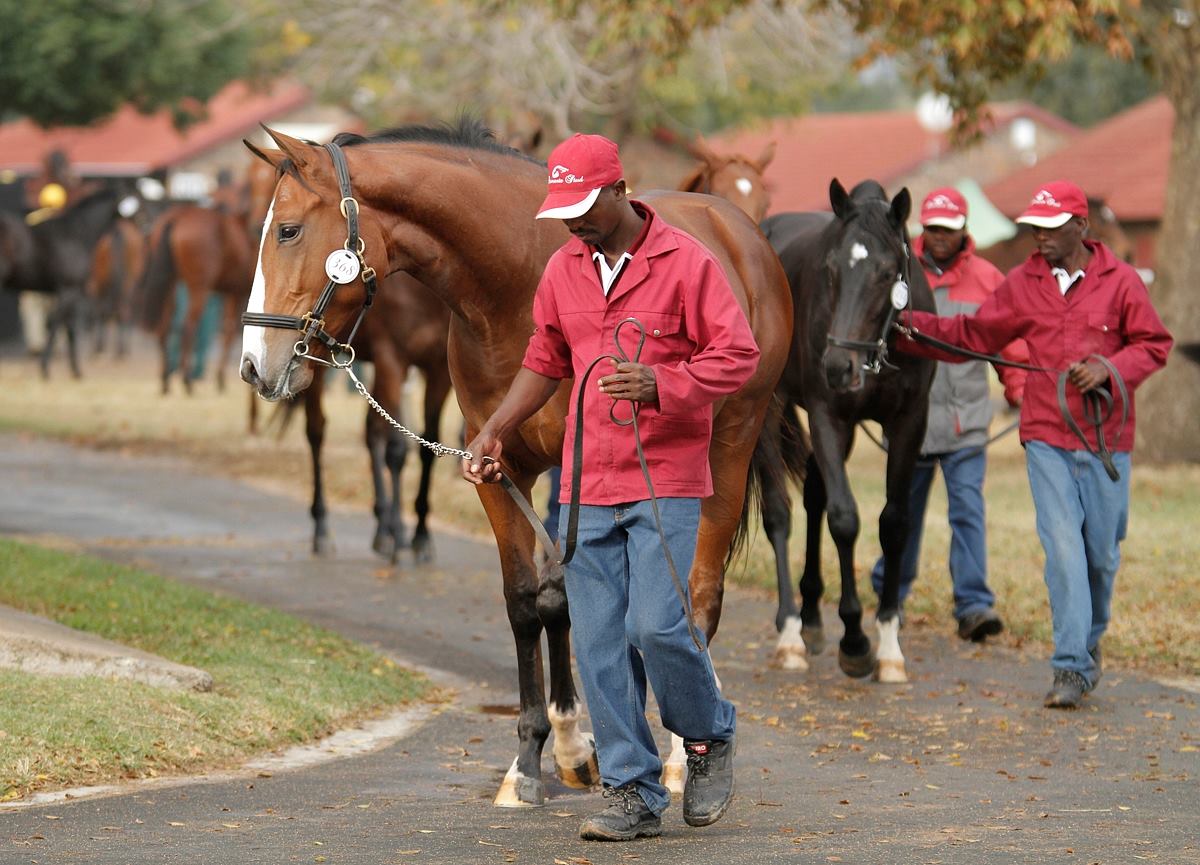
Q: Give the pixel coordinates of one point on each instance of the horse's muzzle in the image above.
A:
(843, 372)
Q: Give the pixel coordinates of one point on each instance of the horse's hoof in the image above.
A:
(323, 546)
(582, 777)
(385, 545)
(673, 777)
(814, 638)
(791, 658)
(422, 550)
(890, 672)
(856, 666)
(520, 791)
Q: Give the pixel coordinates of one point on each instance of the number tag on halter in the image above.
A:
(899, 294)
(342, 266)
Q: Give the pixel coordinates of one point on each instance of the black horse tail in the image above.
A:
(781, 452)
(158, 280)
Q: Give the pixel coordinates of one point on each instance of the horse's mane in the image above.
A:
(467, 132)
(875, 219)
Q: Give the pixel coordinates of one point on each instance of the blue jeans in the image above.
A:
(629, 627)
(963, 472)
(552, 506)
(1081, 520)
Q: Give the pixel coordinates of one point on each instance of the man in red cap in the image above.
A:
(960, 411)
(1081, 310)
(623, 261)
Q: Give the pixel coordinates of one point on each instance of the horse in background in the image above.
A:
(734, 177)
(1103, 225)
(54, 257)
(112, 284)
(851, 275)
(455, 209)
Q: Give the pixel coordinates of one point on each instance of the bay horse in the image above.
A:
(845, 269)
(734, 177)
(57, 260)
(210, 251)
(455, 210)
(112, 284)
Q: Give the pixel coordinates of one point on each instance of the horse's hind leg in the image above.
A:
(812, 586)
(388, 450)
(790, 653)
(314, 431)
(73, 319)
(53, 320)
(437, 388)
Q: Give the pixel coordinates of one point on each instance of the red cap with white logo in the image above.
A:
(1054, 204)
(944, 207)
(579, 168)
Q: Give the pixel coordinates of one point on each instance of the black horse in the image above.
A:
(851, 275)
(56, 258)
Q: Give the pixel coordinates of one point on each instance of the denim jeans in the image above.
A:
(963, 472)
(629, 627)
(1081, 520)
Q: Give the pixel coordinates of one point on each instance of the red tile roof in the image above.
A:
(880, 145)
(133, 144)
(1123, 160)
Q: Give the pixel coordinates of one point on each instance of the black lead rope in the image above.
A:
(1097, 402)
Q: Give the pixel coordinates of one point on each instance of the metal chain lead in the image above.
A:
(439, 449)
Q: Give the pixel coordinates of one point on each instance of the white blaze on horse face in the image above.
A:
(858, 252)
(254, 338)
(745, 186)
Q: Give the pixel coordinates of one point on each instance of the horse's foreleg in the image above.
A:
(522, 785)
(904, 442)
(388, 451)
(197, 300)
(231, 330)
(574, 751)
(437, 388)
(314, 430)
(812, 586)
(830, 446)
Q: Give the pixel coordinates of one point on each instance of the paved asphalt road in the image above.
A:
(960, 765)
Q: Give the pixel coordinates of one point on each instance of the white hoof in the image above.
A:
(675, 769)
(790, 651)
(889, 667)
(520, 791)
(890, 672)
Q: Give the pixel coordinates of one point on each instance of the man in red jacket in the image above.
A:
(630, 626)
(1079, 309)
(960, 411)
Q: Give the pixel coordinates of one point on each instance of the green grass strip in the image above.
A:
(278, 681)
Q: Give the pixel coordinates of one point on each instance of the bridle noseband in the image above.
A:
(900, 300)
(312, 323)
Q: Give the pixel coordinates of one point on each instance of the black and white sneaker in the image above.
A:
(625, 818)
(709, 787)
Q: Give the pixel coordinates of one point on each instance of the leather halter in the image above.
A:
(877, 350)
(312, 323)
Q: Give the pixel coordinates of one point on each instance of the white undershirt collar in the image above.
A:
(1065, 280)
(608, 275)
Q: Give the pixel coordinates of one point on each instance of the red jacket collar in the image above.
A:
(1102, 261)
(658, 237)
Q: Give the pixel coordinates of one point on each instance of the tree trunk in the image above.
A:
(1168, 404)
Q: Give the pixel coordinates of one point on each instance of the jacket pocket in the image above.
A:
(1102, 334)
(665, 340)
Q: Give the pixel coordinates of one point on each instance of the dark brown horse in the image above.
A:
(210, 251)
(455, 210)
(112, 285)
(845, 270)
(734, 177)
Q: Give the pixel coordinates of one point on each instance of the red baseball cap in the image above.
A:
(1054, 204)
(944, 207)
(579, 168)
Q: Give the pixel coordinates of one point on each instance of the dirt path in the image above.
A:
(960, 765)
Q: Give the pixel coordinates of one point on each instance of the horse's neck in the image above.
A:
(88, 224)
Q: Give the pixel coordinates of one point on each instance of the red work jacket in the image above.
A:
(1108, 312)
(697, 341)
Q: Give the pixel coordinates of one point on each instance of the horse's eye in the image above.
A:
(288, 232)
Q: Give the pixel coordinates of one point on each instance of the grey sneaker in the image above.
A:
(980, 625)
(1069, 688)
(625, 818)
(709, 787)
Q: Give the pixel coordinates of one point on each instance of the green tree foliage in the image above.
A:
(72, 62)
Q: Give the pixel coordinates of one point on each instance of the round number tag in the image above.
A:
(342, 266)
(899, 294)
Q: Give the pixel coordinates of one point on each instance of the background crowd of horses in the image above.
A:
(447, 212)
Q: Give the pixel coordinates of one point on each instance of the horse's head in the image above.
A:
(737, 178)
(867, 262)
(309, 295)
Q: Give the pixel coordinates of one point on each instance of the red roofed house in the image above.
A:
(1123, 160)
(892, 147)
(131, 144)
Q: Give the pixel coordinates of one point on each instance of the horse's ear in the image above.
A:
(693, 182)
(271, 157)
(901, 208)
(764, 158)
(295, 149)
(702, 151)
(839, 199)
